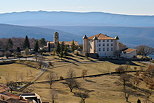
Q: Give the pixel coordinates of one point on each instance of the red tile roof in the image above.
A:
(102, 37)
(66, 42)
(129, 50)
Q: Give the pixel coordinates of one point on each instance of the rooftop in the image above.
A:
(102, 37)
(129, 50)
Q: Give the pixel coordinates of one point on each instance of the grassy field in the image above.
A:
(104, 89)
(16, 72)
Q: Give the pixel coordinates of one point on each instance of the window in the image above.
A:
(99, 49)
(111, 44)
(103, 40)
(107, 49)
(107, 44)
(99, 45)
(103, 49)
(111, 40)
(107, 40)
(111, 49)
(99, 40)
(103, 44)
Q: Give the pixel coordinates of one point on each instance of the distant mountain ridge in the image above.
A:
(131, 36)
(8, 31)
(44, 18)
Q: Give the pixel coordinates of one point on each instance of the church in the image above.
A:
(53, 44)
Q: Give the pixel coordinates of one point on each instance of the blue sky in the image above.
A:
(134, 7)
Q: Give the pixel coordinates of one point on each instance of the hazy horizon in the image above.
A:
(131, 7)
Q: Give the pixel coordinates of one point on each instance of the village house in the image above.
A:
(129, 53)
(53, 44)
(104, 46)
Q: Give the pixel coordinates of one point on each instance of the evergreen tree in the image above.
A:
(36, 47)
(42, 42)
(18, 49)
(66, 50)
(9, 44)
(26, 43)
(73, 46)
(62, 48)
(58, 49)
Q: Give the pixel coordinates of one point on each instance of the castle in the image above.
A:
(106, 46)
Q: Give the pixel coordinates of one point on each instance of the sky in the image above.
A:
(129, 7)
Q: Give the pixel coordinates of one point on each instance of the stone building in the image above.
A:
(102, 45)
(53, 44)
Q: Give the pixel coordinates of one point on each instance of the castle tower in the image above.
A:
(56, 38)
(94, 40)
(85, 44)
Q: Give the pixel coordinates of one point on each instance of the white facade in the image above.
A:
(106, 47)
(101, 44)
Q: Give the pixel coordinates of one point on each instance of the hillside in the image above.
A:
(44, 18)
(131, 36)
(7, 31)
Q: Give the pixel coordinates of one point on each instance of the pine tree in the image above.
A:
(58, 49)
(66, 50)
(26, 43)
(9, 44)
(62, 47)
(36, 47)
(73, 46)
(42, 42)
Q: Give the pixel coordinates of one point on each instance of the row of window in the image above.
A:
(107, 49)
(105, 40)
(104, 44)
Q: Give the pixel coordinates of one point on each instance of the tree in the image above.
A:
(12, 85)
(36, 47)
(144, 50)
(18, 54)
(42, 42)
(57, 49)
(26, 52)
(9, 44)
(84, 73)
(62, 48)
(51, 76)
(125, 78)
(73, 46)
(138, 101)
(66, 50)
(54, 95)
(26, 43)
(71, 82)
(83, 95)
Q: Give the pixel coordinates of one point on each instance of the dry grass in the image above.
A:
(105, 89)
(16, 72)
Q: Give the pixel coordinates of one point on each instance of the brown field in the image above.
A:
(104, 89)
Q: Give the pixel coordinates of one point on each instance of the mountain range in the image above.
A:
(54, 18)
(8, 31)
(132, 30)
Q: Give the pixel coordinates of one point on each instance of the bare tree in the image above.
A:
(71, 82)
(125, 78)
(83, 95)
(84, 73)
(144, 50)
(40, 61)
(51, 76)
(12, 85)
(54, 95)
